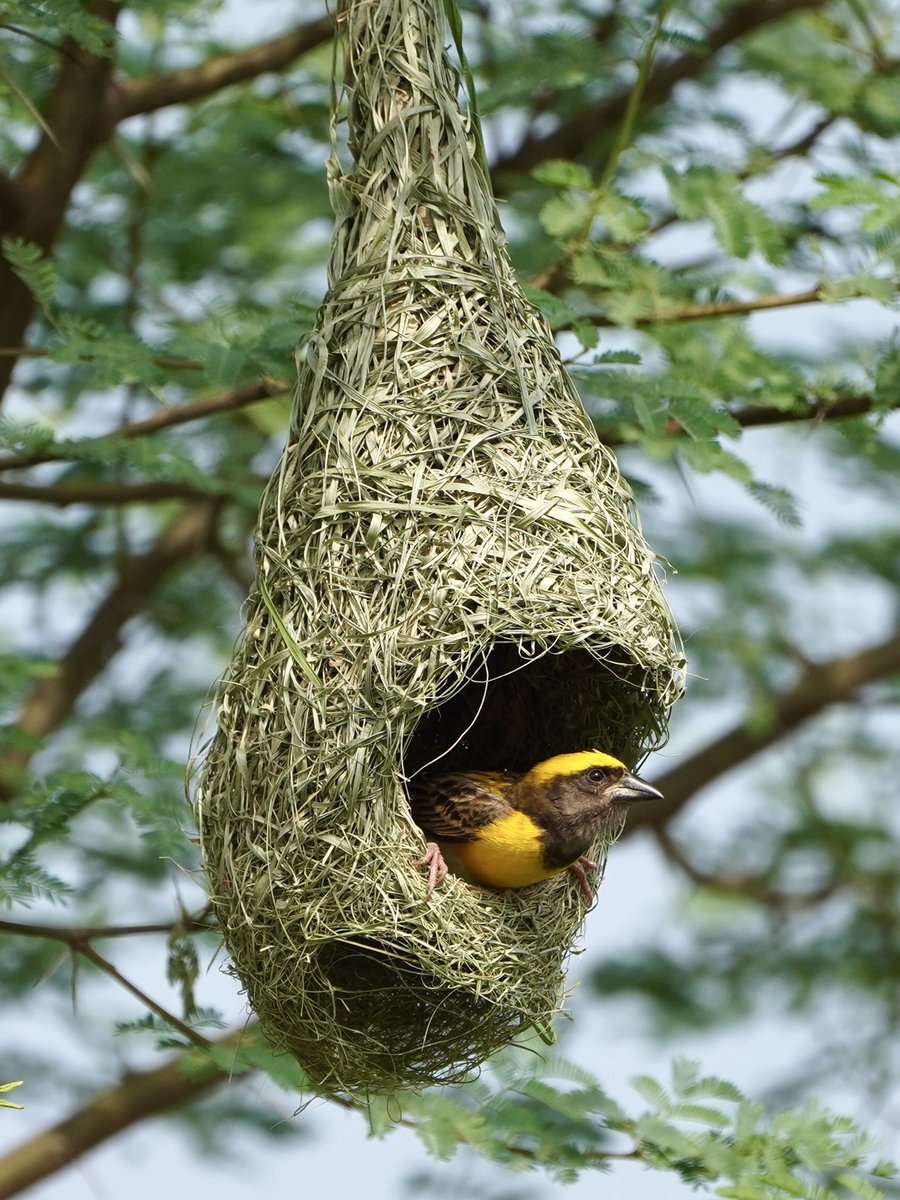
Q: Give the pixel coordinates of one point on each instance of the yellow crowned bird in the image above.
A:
(506, 830)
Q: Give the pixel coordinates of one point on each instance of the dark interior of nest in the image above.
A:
(516, 709)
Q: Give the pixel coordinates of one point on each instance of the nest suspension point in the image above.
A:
(450, 575)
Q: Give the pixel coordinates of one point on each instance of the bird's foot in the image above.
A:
(437, 868)
(578, 870)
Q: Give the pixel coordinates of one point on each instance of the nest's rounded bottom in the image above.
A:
(312, 866)
(367, 1021)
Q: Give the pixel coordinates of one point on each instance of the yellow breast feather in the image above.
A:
(507, 853)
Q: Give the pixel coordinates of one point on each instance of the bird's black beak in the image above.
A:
(632, 788)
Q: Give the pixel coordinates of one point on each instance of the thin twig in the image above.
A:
(86, 950)
(635, 96)
(79, 939)
(77, 935)
(719, 308)
(166, 418)
(757, 416)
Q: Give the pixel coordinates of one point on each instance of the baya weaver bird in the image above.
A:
(505, 830)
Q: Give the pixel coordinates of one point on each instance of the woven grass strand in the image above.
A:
(449, 568)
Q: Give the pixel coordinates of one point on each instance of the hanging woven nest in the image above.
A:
(448, 575)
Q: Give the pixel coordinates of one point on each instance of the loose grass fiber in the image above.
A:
(448, 574)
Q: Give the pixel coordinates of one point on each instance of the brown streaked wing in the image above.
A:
(453, 808)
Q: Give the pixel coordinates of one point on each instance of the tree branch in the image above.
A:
(186, 1077)
(73, 128)
(82, 112)
(63, 494)
(836, 409)
(754, 887)
(754, 416)
(729, 308)
(751, 416)
(193, 83)
(50, 701)
(79, 940)
(12, 201)
(166, 418)
(716, 308)
(820, 685)
(76, 935)
(573, 137)
(86, 950)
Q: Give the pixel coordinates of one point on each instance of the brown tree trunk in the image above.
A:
(34, 203)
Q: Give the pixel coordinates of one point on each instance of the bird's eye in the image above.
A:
(597, 775)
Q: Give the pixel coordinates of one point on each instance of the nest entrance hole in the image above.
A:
(515, 708)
